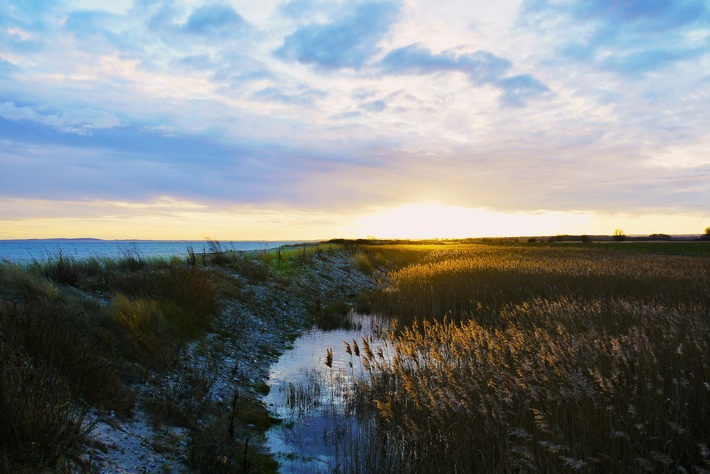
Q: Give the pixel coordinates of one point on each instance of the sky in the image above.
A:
(313, 119)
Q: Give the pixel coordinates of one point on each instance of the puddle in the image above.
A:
(317, 432)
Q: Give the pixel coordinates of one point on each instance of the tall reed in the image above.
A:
(519, 359)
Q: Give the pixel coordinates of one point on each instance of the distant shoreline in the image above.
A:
(95, 239)
(38, 250)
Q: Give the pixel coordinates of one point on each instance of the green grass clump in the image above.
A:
(363, 263)
(16, 283)
(186, 297)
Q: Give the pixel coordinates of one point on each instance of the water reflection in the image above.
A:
(319, 430)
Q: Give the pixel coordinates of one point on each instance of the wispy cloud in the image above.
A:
(81, 121)
(347, 41)
(297, 96)
(6, 67)
(629, 37)
(481, 68)
(336, 106)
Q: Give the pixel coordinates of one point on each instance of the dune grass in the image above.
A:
(70, 332)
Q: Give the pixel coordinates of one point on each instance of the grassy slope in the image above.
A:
(114, 336)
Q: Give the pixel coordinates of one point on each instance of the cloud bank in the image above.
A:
(533, 105)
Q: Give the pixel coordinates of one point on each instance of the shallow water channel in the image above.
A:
(311, 399)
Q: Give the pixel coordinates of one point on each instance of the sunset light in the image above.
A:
(428, 221)
(484, 224)
(312, 120)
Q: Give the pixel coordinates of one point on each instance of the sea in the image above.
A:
(42, 250)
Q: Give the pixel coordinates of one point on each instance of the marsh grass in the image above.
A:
(522, 359)
(476, 281)
(687, 248)
(178, 301)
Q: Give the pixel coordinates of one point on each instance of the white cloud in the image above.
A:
(19, 33)
(602, 122)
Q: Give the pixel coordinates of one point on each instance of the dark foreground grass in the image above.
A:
(51, 372)
(73, 332)
(539, 359)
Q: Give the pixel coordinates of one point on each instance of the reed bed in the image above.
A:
(526, 359)
(476, 281)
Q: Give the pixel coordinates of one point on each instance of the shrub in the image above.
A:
(254, 270)
(223, 446)
(182, 398)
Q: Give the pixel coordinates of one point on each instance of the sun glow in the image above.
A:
(427, 221)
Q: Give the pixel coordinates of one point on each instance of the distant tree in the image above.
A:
(619, 235)
(706, 236)
(585, 238)
(660, 237)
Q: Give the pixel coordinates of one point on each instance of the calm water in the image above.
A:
(310, 399)
(25, 251)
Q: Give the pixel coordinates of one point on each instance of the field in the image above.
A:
(497, 356)
(537, 358)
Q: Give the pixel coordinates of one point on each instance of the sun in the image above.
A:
(423, 221)
(433, 220)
